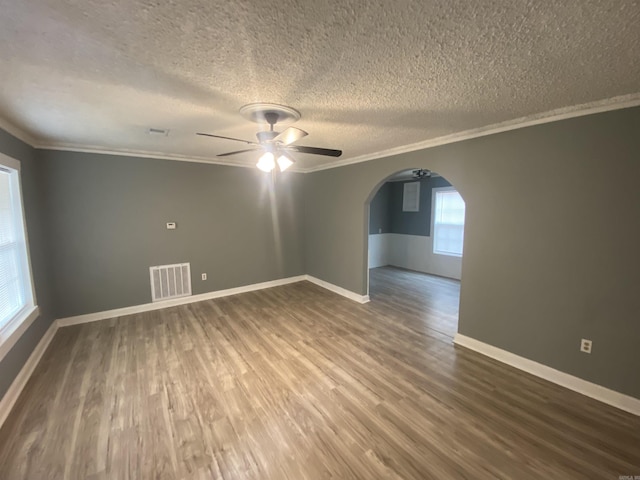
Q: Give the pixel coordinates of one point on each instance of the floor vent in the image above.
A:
(170, 281)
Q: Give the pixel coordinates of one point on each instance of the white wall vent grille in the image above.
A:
(411, 197)
(170, 281)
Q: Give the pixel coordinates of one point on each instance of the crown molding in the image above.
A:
(142, 154)
(20, 134)
(67, 147)
(615, 103)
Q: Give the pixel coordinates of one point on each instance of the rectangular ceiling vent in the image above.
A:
(170, 281)
(159, 132)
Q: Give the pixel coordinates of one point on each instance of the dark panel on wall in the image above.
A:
(30, 175)
(107, 226)
(379, 219)
(413, 223)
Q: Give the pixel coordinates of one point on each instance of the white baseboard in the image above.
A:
(597, 392)
(339, 290)
(147, 307)
(11, 396)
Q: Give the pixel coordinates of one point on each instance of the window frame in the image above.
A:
(12, 330)
(434, 192)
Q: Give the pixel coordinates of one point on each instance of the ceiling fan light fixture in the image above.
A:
(266, 163)
(284, 162)
(271, 141)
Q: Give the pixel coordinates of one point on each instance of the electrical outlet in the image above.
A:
(204, 276)
(585, 346)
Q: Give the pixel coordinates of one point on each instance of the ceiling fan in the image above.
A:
(274, 144)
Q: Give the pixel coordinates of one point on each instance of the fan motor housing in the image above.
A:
(266, 137)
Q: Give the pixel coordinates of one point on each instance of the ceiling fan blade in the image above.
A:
(314, 150)
(227, 138)
(290, 135)
(236, 152)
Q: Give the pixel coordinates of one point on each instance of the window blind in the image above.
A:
(13, 281)
(448, 225)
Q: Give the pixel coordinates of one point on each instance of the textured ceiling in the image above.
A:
(366, 75)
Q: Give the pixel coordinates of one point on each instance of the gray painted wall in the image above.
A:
(413, 223)
(107, 217)
(379, 211)
(385, 210)
(551, 239)
(12, 363)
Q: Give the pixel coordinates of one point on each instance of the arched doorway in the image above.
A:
(415, 245)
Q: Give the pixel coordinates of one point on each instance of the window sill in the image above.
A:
(443, 254)
(12, 331)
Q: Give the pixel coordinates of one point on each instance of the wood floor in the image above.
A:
(295, 382)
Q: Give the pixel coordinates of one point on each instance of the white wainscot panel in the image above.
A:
(379, 249)
(415, 252)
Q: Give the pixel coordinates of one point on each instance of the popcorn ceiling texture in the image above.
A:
(367, 75)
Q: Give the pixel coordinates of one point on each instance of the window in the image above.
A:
(448, 222)
(411, 197)
(17, 310)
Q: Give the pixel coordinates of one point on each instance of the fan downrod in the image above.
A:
(272, 119)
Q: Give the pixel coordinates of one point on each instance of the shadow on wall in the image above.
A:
(416, 221)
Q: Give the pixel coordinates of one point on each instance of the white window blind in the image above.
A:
(448, 223)
(15, 283)
(411, 197)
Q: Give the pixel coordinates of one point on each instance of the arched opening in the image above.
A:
(415, 239)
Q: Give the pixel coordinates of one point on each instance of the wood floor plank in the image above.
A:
(295, 382)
